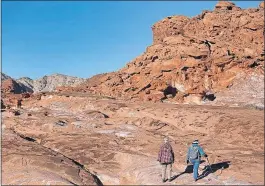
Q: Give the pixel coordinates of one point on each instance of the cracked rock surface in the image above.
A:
(115, 142)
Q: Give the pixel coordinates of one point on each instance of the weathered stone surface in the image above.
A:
(24, 162)
(50, 83)
(226, 5)
(194, 55)
(122, 148)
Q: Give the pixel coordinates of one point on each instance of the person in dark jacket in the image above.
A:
(166, 159)
(194, 157)
(19, 103)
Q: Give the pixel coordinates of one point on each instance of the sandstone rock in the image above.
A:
(225, 5)
(123, 151)
(28, 163)
(11, 86)
(198, 54)
(26, 95)
(93, 114)
(61, 123)
(155, 97)
(167, 27)
(193, 98)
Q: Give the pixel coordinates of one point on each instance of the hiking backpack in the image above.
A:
(194, 153)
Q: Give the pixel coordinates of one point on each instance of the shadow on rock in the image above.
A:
(213, 168)
(207, 169)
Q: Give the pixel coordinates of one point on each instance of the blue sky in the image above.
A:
(83, 38)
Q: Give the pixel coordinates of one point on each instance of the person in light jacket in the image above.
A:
(194, 157)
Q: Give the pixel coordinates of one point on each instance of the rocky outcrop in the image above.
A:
(44, 84)
(13, 90)
(49, 83)
(190, 57)
(4, 76)
(226, 5)
(39, 165)
(247, 86)
(11, 86)
(27, 82)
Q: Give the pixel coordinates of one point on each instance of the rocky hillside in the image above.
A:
(4, 76)
(10, 85)
(27, 82)
(49, 83)
(191, 59)
(44, 84)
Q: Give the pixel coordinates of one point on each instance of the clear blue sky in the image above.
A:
(83, 38)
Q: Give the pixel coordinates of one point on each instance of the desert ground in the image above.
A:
(201, 78)
(75, 139)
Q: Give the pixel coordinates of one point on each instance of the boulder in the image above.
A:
(226, 5)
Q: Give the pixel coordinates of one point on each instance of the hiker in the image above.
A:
(19, 103)
(166, 159)
(194, 157)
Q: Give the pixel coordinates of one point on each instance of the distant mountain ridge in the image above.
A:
(4, 76)
(46, 83)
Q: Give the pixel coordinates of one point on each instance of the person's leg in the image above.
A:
(164, 166)
(195, 169)
(170, 171)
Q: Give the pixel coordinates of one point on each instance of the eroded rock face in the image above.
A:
(193, 55)
(44, 84)
(226, 5)
(4, 76)
(11, 86)
(49, 83)
(24, 162)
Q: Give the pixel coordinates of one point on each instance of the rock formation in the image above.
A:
(60, 139)
(23, 88)
(12, 86)
(41, 166)
(44, 84)
(190, 57)
(71, 137)
(4, 76)
(27, 82)
(49, 83)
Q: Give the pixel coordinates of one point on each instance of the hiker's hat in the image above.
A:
(195, 142)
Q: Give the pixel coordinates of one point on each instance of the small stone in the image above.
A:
(61, 123)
